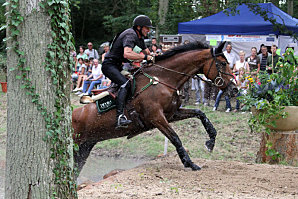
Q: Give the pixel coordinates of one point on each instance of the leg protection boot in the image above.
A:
(122, 121)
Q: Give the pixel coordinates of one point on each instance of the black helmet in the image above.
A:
(142, 20)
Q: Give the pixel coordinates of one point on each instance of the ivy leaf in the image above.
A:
(18, 77)
(51, 2)
(21, 53)
(15, 32)
(3, 27)
(6, 3)
(41, 4)
(52, 54)
(6, 39)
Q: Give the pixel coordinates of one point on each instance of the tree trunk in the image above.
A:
(283, 142)
(290, 7)
(29, 167)
(162, 13)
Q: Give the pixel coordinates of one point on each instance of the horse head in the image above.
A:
(219, 71)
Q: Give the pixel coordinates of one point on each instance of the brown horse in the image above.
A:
(159, 104)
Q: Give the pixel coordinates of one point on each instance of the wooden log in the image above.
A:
(283, 142)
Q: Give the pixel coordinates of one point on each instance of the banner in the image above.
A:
(242, 38)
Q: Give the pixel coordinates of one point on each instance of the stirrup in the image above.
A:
(123, 124)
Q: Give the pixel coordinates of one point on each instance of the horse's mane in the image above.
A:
(180, 49)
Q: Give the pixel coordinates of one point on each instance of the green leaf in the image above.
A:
(41, 4)
(6, 3)
(22, 53)
(18, 77)
(6, 39)
(3, 27)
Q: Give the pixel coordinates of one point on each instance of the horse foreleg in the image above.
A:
(162, 124)
(182, 114)
(82, 154)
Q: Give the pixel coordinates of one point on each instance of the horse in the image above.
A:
(156, 101)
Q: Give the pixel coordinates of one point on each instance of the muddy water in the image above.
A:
(94, 169)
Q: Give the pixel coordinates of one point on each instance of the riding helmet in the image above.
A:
(142, 20)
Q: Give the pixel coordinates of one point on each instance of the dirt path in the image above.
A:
(166, 178)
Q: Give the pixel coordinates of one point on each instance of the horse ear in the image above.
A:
(218, 50)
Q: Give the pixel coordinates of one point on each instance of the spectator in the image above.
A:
(269, 66)
(106, 49)
(81, 74)
(93, 79)
(241, 63)
(90, 52)
(263, 57)
(80, 55)
(254, 62)
(210, 92)
(242, 84)
(154, 42)
(228, 103)
(231, 57)
(199, 89)
(88, 66)
(153, 50)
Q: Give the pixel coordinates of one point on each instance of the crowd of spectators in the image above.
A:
(87, 74)
(244, 67)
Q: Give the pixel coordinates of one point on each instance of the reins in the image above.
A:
(218, 81)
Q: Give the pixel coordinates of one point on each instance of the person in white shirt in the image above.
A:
(93, 79)
(241, 63)
(231, 57)
(90, 52)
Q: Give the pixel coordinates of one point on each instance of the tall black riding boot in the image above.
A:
(122, 121)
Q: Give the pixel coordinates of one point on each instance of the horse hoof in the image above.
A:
(195, 167)
(209, 145)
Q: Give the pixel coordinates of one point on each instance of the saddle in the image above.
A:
(104, 98)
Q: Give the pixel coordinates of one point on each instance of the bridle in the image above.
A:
(218, 81)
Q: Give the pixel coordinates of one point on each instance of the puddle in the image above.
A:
(96, 167)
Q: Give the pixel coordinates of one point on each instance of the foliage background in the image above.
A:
(99, 20)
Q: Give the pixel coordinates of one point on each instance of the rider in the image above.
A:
(123, 48)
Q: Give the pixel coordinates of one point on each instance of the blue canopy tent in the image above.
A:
(244, 23)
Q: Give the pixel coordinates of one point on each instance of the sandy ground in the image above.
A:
(165, 177)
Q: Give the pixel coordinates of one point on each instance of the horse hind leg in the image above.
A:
(182, 114)
(162, 124)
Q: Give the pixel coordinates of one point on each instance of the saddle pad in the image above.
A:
(105, 104)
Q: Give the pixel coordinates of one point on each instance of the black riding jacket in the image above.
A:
(127, 38)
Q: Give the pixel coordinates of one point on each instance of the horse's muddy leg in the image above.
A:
(82, 154)
(182, 114)
(162, 124)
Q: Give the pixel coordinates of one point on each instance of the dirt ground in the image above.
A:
(165, 177)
